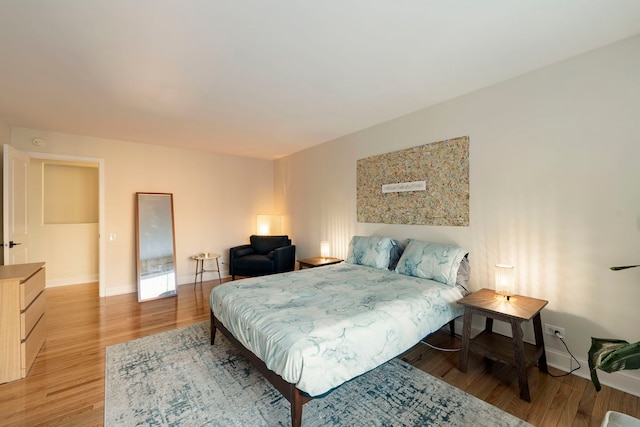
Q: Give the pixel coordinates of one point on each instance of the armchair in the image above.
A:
(264, 255)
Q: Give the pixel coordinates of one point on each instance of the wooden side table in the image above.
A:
(498, 347)
(200, 270)
(318, 262)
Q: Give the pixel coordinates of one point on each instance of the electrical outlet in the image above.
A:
(551, 330)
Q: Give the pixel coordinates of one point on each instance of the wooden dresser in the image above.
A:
(22, 318)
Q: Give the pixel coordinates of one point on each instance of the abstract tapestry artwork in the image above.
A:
(426, 185)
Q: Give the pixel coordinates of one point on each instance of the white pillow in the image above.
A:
(435, 261)
(372, 251)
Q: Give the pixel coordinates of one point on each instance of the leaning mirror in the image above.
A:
(155, 246)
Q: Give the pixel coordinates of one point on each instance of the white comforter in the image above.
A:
(320, 327)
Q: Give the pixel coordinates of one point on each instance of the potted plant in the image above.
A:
(612, 355)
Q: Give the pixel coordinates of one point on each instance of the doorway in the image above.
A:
(99, 164)
(63, 219)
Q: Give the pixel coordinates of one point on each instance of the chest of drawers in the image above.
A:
(22, 318)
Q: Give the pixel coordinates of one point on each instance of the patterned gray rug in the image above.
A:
(177, 379)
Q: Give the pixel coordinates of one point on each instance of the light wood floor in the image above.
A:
(66, 384)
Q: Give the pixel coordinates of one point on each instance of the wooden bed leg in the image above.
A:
(452, 328)
(213, 330)
(296, 408)
(289, 391)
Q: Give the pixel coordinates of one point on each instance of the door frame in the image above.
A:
(101, 222)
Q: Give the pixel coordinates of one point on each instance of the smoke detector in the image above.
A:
(39, 142)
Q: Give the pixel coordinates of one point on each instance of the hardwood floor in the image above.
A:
(66, 383)
(563, 401)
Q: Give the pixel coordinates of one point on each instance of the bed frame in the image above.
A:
(295, 397)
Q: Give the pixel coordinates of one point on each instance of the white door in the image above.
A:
(15, 175)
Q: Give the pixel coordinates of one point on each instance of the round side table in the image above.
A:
(200, 270)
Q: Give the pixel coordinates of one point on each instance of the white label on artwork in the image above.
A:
(405, 186)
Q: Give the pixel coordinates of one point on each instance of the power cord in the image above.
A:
(571, 368)
(439, 348)
(557, 334)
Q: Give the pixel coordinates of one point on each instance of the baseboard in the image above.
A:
(182, 280)
(121, 290)
(66, 281)
(621, 380)
(189, 278)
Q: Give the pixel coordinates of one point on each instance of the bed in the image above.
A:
(311, 330)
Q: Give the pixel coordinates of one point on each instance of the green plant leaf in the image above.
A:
(612, 355)
(625, 357)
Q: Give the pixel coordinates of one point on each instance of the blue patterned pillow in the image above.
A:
(435, 261)
(372, 251)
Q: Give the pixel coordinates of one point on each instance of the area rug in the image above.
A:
(177, 379)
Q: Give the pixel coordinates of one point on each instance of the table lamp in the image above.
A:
(505, 279)
(324, 249)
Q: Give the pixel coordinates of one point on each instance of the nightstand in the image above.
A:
(498, 347)
(318, 262)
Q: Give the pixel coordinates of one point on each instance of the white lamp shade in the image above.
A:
(324, 249)
(505, 278)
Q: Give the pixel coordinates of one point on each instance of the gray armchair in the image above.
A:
(264, 255)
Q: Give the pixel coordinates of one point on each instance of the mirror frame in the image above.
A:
(144, 201)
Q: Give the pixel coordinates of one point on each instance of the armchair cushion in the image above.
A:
(254, 262)
(243, 252)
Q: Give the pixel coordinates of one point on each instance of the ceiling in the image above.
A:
(266, 78)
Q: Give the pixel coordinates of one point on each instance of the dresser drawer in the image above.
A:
(32, 314)
(31, 287)
(31, 346)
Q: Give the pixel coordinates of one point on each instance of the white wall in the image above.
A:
(554, 189)
(216, 197)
